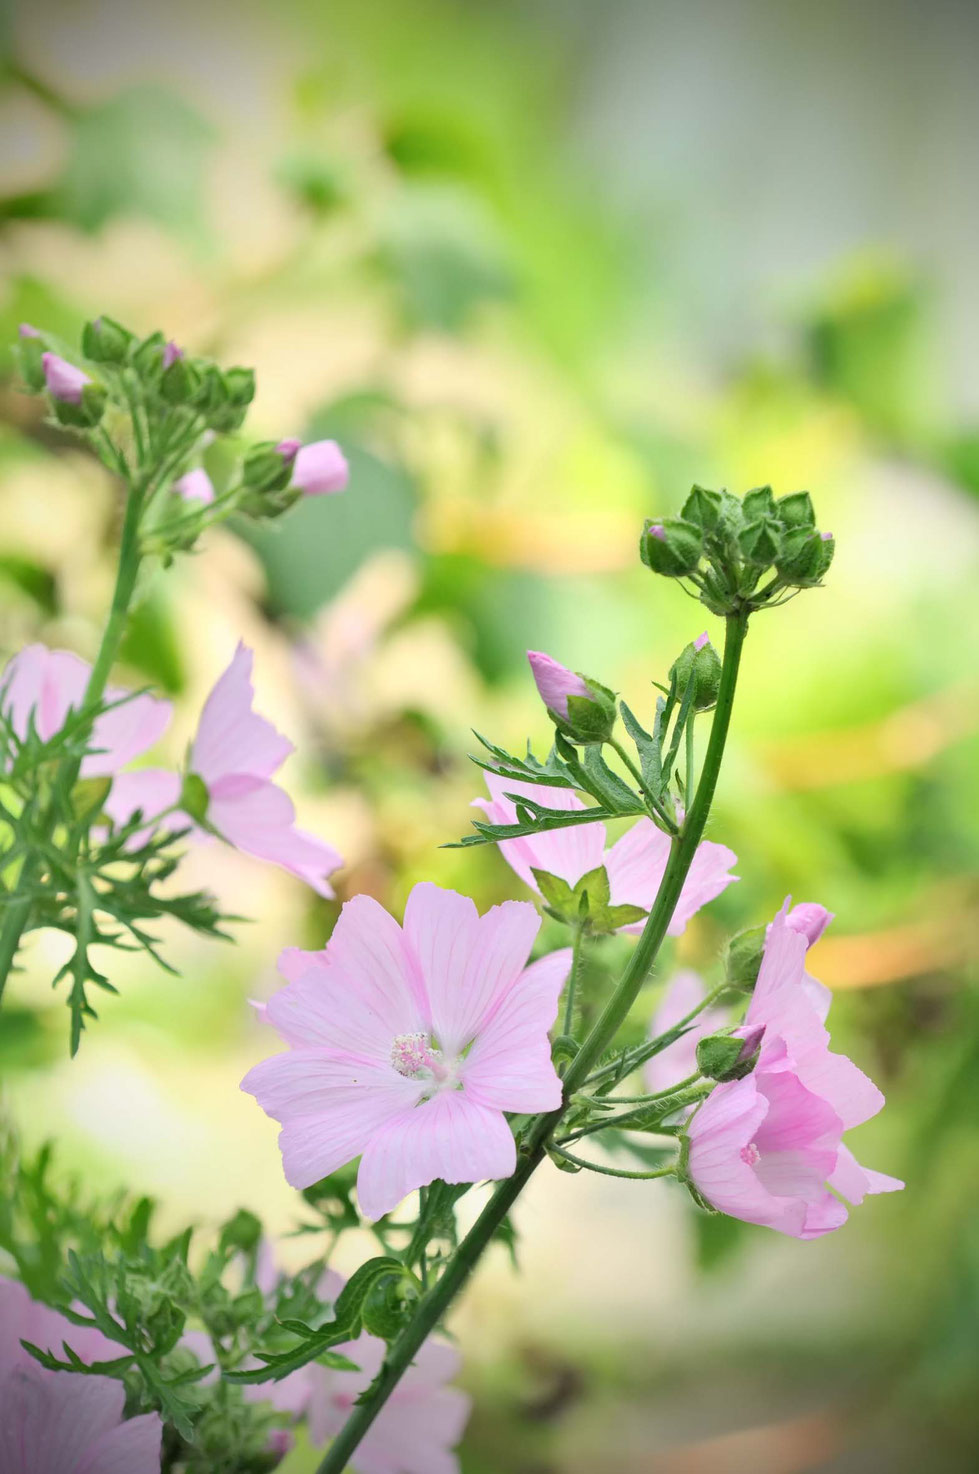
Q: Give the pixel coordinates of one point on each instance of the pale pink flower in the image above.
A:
(63, 379)
(408, 1044)
(678, 1061)
(195, 486)
(235, 752)
(768, 1148)
(635, 863)
(27, 330)
(320, 468)
(555, 682)
(51, 683)
(420, 1424)
(64, 1422)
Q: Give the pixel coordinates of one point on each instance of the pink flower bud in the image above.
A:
(195, 486)
(657, 530)
(555, 682)
(64, 380)
(26, 331)
(279, 1442)
(171, 353)
(701, 641)
(289, 449)
(810, 920)
(320, 468)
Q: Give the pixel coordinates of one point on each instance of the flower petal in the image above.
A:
(448, 1136)
(256, 816)
(231, 737)
(501, 945)
(568, 853)
(854, 1181)
(127, 730)
(509, 1066)
(441, 932)
(313, 1146)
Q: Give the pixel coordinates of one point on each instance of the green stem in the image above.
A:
(638, 1056)
(635, 1176)
(433, 1306)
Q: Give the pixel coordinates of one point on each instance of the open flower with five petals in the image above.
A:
(409, 1043)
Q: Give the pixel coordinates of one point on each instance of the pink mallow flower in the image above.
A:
(318, 469)
(678, 1061)
(64, 1422)
(769, 1148)
(408, 1044)
(635, 863)
(64, 381)
(419, 1426)
(48, 684)
(555, 682)
(235, 753)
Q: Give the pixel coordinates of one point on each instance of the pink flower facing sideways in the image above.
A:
(409, 1043)
(235, 753)
(64, 1422)
(635, 863)
(45, 685)
(769, 1148)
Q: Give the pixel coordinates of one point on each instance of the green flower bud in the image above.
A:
(672, 548)
(267, 467)
(106, 341)
(700, 663)
(147, 357)
(805, 556)
(240, 384)
(724, 1056)
(389, 1304)
(84, 415)
(796, 510)
(29, 352)
(702, 508)
(181, 381)
(760, 541)
(742, 959)
(757, 503)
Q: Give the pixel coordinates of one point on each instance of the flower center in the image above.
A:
(417, 1058)
(750, 1154)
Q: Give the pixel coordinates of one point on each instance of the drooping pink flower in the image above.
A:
(768, 1148)
(635, 863)
(408, 1044)
(236, 752)
(555, 682)
(50, 683)
(64, 381)
(319, 468)
(195, 486)
(64, 1422)
(679, 1060)
(419, 1426)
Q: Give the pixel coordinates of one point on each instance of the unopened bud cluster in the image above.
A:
(740, 553)
(150, 407)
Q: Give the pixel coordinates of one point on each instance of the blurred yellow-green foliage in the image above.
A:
(539, 267)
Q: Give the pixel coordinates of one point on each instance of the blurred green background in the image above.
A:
(540, 266)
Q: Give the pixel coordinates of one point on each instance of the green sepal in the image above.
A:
(194, 797)
(88, 795)
(702, 508)
(796, 510)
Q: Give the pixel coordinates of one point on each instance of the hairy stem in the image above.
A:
(435, 1303)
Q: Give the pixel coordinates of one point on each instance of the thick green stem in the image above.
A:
(433, 1306)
